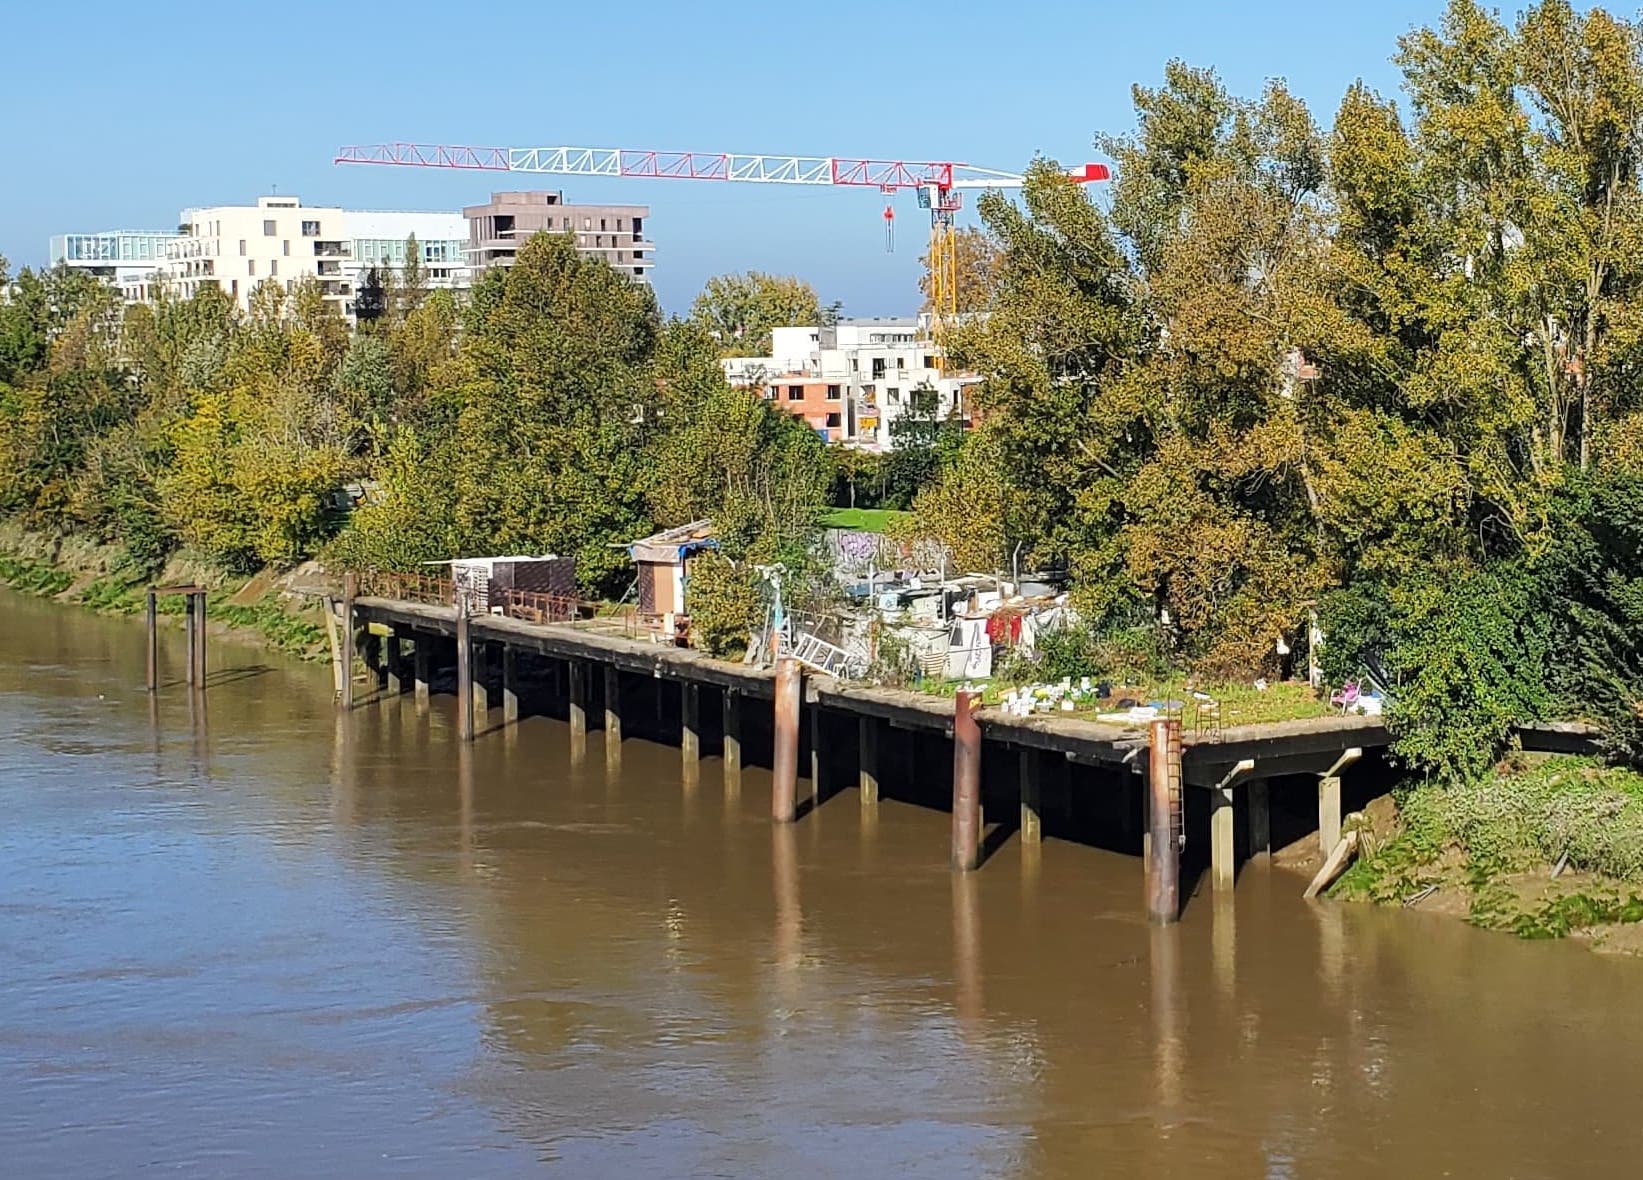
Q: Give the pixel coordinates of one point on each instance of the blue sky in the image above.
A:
(119, 115)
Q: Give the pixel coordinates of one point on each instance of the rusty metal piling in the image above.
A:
(784, 786)
(1163, 854)
(966, 785)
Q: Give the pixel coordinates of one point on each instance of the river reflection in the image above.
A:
(264, 940)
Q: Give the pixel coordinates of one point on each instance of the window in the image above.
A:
(795, 393)
(602, 223)
(855, 365)
(638, 227)
(251, 266)
(269, 229)
(310, 229)
(587, 223)
(770, 392)
(878, 368)
(242, 247)
(619, 225)
(832, 393)
(901, 363)
(234, 287)
(285, 247)
(833, 419)
(638, 272)
(895, 396)
(929, 360)
(273, 266)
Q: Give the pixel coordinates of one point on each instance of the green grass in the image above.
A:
(1491, 836)
(284, 631)
(867, 520)
(1241, 704)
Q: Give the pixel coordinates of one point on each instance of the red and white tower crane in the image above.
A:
(940, 184)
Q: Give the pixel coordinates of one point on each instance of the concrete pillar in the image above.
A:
(690, 729)
(966, 786)
(784, 777)
(151, 649)
(482, 691)
(732, 737)
(464, 674)
(394, 658)
(1222, 848)
(867, 748)
(422, 659)
(578, 696)
(1329, 813)
(510, 685)
(1259, 803)
(1032, 797)
(350, 588)
(1163, 851)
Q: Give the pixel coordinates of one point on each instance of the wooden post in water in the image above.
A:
(1258, 800)
(1164, 851)
(191, 627)
(394, 658)
(1032, 797)
(350, 589)
(690, 729)
(867, 760)
(815, 755)
(510, 685)
(578, 709)
(732, 738)
(482, 685)
(151, 615)
(464, 673)
(966, 786)
(422, 658)
(784, 776)
(613, 717)
(199, 648)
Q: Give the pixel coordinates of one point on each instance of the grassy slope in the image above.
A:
(283, 624)
(1489, 848)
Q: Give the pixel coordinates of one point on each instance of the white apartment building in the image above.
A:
(281, 240)
(852, 380)
(240, 247)
(379, 238)
(124, 258)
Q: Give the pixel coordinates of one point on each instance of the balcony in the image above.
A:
(330, 249)
(328, 268)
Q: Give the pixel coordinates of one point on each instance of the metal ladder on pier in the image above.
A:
(821, 656)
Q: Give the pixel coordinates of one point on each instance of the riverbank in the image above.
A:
(1546, 848)
(80, 572)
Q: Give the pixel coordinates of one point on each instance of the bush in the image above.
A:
(725, 603)
(1469, 662)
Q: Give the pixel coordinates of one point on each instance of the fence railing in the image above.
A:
(532, 607)
(407, 587)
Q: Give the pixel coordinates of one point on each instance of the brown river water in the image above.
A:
(263, 941)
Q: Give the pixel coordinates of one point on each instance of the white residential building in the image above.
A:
(281, 240)
(124, 258)
(852, 380)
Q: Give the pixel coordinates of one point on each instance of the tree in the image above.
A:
(740, 310)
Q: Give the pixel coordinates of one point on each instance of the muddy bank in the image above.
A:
(1543, 848)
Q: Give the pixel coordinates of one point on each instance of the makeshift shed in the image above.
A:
(663, 560)
(485, 578)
